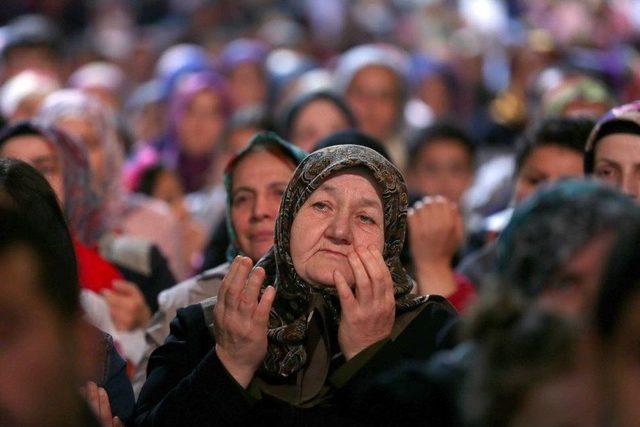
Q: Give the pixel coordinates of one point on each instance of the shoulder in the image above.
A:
(433, 325)
(192, 290)
(130, 252)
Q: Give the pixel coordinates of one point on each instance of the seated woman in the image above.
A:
(94, 126)
(328, 306)
(121, 276)
(254, 180)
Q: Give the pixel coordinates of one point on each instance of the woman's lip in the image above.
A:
(263, 235)
(329, 251)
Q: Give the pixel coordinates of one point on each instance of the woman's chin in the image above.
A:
(324, 279)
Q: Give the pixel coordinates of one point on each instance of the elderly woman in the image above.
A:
(328, 306)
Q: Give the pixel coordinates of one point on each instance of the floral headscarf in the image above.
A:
(259, 141)
(73, 103)
(295, 299)
(82, 207)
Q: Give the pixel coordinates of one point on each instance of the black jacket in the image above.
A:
(188, 385)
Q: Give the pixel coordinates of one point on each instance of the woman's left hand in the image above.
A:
(367, 315)
(127, 306)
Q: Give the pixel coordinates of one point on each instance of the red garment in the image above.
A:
(462, 298)
(94, 272)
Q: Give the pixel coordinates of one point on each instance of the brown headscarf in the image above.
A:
(296, 299)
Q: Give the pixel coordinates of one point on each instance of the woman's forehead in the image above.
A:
(345, 179)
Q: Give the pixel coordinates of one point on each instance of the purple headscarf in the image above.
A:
(192, 170)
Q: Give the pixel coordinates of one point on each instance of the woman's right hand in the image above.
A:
(241, 321)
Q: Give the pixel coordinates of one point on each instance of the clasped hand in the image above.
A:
(369, 312)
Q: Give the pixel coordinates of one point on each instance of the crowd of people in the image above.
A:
(326, 211)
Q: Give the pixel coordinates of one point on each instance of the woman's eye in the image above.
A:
(239, 200)
(320, 206)
(605, 172)
(367, 219)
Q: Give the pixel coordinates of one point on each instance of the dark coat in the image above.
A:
(188, 385)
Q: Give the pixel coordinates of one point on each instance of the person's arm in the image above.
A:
(116, 383)
(187, 384)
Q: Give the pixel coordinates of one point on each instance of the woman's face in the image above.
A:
(87, 134)
(345, 212)
(247, 85)
(35, 151)
(259, 180)
(547, 163)
(443, 167)
(201, 123)
(617, 162)
(316, 120)
(374, 96)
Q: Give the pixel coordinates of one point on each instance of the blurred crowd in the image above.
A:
(167, 133)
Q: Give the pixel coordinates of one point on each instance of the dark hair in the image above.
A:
(25, 128)
(620, 282)
(149, 179)
(297, 105)
(569, 133)
(552, 225)
(525, 350)
(27, 192)
(444, 129)
(352, 137)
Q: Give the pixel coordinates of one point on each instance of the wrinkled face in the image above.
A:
(39, 386)
(85, 132)
(35, 151)
(622, 367)
(247, 85)
(345, 212)
(573, 290)
(545, 164)
(443, 167)
(617, 162)
(374, 97)
(201, 123)
(318, 119)
(259, 180)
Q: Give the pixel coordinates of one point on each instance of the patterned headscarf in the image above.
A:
(73, 103)
(295, 299)
(82, 206)
(259, 141)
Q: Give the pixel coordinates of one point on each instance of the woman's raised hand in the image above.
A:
(367, 315)
(241, 320)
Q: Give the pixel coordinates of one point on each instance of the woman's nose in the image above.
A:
(631, 186)
(262, 208)
(339, 229)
